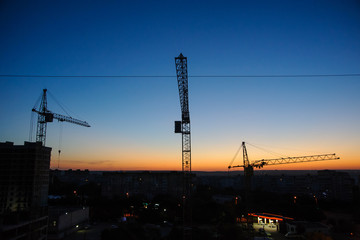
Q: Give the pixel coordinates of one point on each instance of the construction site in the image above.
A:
(179, 120)
(244, 202)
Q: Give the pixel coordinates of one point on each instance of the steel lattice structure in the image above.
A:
(183, 127)
(182, 79)
(312, 158)
(248, 168)
(45, 116)
(41, 123)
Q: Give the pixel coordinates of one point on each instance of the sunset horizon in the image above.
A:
(286, 85)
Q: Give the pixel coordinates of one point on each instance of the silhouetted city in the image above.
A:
(169, 120)
(83, 204)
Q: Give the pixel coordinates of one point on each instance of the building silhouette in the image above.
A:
(335, 185)
(24, 184)
(149, 184)
(324, 184)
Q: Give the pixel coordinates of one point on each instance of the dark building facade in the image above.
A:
(325, 184)
(24, 184)
(335, 185)
(148, 184)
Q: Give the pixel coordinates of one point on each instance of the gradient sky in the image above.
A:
(132, 119)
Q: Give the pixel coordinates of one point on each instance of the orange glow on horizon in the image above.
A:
(162, 164)
(129, 156)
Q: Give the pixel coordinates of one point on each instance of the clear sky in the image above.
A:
(132, 119)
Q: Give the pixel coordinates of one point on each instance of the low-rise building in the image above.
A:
(304, 227)
(63, 221)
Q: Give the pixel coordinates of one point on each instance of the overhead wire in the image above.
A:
(190, 76)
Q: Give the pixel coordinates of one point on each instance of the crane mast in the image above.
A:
(248, 169)
(45, 116)
(183, 127)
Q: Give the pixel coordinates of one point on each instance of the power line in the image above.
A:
(191, 76)
(86, 76)
(279, 76)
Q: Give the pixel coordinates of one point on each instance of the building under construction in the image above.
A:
(24, 184)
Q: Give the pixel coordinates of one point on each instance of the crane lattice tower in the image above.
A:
(183, 127)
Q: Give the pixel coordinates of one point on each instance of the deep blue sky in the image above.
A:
(132, 118)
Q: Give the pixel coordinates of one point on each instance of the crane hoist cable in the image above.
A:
(60, 143)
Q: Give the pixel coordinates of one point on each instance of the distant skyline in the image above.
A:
(132, 119)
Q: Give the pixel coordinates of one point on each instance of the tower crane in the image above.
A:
(249, 167)
(183, 127)
(45, 116)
